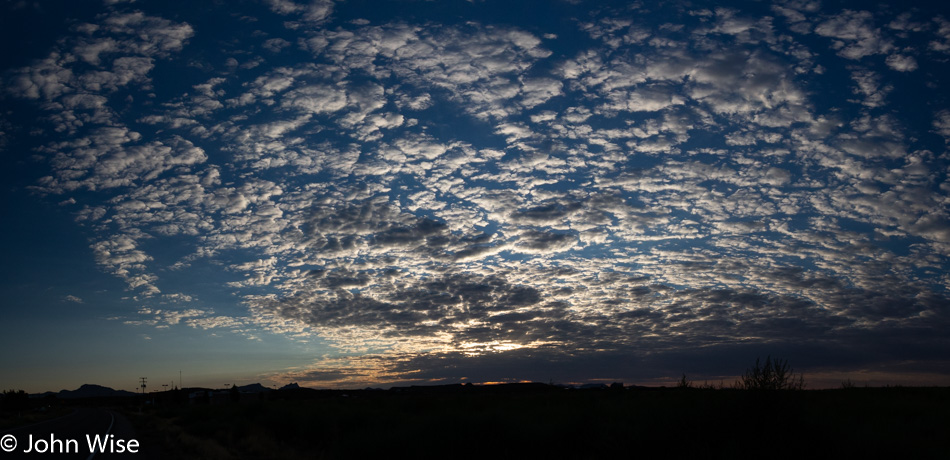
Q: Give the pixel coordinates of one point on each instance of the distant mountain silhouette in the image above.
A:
(253, 388)
(92, 391)
(290, 386)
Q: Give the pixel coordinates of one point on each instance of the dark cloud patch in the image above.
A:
(543, 241)
(329, 375)
(448, 304)
(799, 278)
(340, 278)
(381, 227)
(548, 213)
(474, 251)
(902, 304)
(483, 315)
(432, 232)
(660, 360)
(341, 308)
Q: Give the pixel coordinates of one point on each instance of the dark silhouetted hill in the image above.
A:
(93, 391)
(253, 388)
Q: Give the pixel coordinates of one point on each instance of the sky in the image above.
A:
(353, 193)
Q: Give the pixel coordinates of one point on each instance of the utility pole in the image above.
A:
(143, 384)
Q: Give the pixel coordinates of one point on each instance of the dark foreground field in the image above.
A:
(545, 422)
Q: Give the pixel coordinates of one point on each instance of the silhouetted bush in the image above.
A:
(772, 375)
(684, 382)
(15, 400)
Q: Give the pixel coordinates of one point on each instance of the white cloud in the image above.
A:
(942, 43)
(315, 99)
(275, 45)
(114, 157)
(902, 63)
(46, 78)
(870, 86)
(855, 33)
(156, 36)
(314, 11)
(942, 124)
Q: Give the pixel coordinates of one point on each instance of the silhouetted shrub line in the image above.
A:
(772, 375)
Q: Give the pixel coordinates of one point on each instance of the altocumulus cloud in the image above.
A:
(439, 199)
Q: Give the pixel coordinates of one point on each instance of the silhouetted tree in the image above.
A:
(684, 382)
(15, 400)
(235, 393)
(772, 375)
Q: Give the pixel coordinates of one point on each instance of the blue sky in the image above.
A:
(345, 194)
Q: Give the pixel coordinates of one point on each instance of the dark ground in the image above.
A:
(510, 421)
(537, 421)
